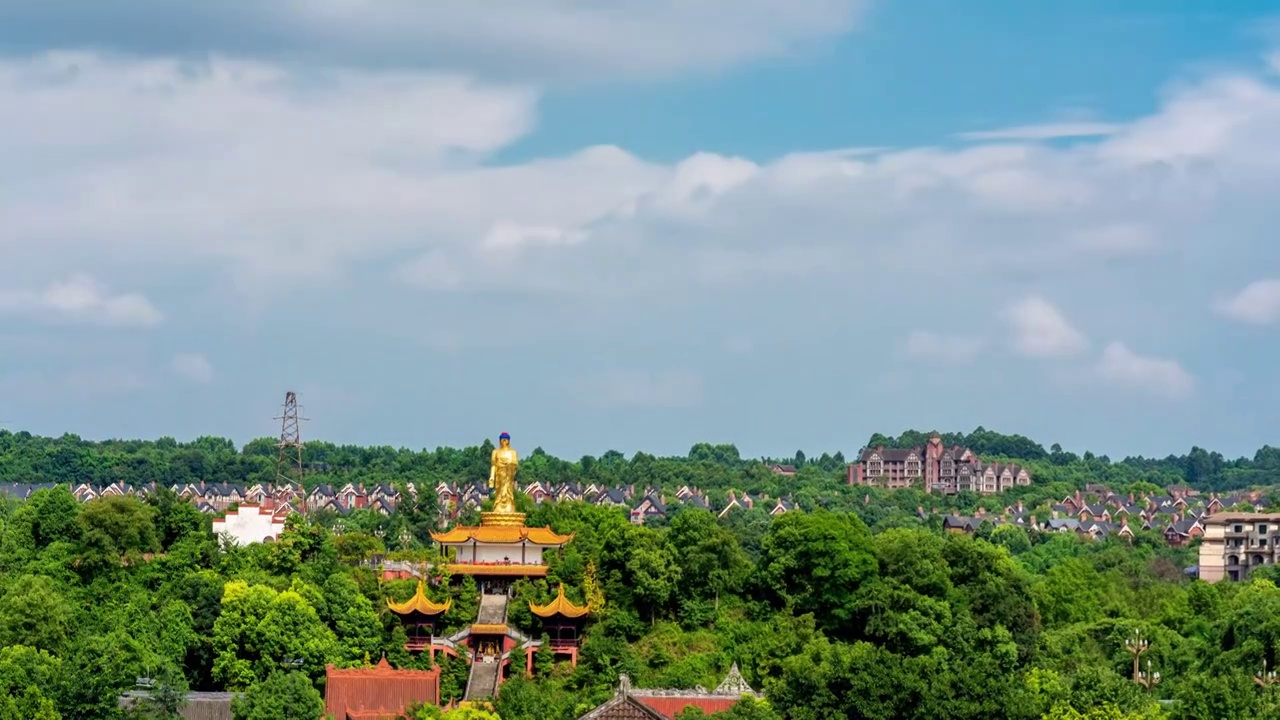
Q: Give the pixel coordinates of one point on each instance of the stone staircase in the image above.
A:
(493, 610)
(482, 681)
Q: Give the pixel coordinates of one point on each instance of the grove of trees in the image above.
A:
(853, 607)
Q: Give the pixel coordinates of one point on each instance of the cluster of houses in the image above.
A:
(217, 498)
(642, 504)
(257, 512)
(1180, 514)
(259, 508)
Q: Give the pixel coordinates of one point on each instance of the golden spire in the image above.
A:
(419, 603)
(560, 606)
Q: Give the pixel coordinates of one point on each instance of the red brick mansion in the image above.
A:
(935, 468)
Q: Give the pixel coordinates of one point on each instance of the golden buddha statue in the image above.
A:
(503, 463)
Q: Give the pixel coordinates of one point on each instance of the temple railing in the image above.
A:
(416, 644)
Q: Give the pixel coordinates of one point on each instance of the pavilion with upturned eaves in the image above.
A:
(562, 621)
(497, 554)
(420, 616)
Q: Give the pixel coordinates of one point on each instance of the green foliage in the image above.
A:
(453, 678)
(281, 696)
(854, 607)
(164, 701)
(463, 712)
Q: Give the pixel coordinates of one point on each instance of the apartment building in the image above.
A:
(935, 468)
(1234, 543)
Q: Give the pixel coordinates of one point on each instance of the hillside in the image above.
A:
(827, 615)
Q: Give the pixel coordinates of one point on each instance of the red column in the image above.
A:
(528, 662)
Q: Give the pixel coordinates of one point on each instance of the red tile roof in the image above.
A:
(378, 692)
(671, 706)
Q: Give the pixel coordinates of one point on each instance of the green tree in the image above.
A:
(30, 704)
(281, 696)
(115, 528)
(260, 631)
(815, 562)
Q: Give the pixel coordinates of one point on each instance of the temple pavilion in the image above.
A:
(494, 553)
(562, 621)
(420, 616)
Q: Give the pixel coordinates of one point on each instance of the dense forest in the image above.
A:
(25, 458)
(853, 607)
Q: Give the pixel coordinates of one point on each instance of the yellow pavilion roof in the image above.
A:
(499, 534)
(419, 603)
(560, 606)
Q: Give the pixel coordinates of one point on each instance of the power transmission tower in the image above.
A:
(289, 460)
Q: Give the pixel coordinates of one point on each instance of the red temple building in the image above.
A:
(377, 693)
(630, 703)
(562, 621)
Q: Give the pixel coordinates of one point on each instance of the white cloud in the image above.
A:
(640, 389)
(193, 366)
(80, 298)
(1158, 376)
(316, 179)
(361, 177)
(1049, 131)
(559, 41)
(295, 177)
(1040, 330)
(942, 348)
(1258, 303)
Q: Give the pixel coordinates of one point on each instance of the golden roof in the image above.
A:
(560, 606)
(487, 629)
(419, 603)
(498, 534)
(483, 569)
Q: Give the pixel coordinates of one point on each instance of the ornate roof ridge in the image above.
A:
(382, 670)
(501, 535)
(419, 603)
(733, 685)
(561, 605)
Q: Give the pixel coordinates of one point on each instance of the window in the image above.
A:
(1238, 528)
(1262, 528)
(948, 466)
(875, 467)
(913, 468)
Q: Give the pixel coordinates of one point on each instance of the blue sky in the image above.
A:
(780, 223)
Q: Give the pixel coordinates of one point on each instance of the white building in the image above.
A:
(250, 523)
